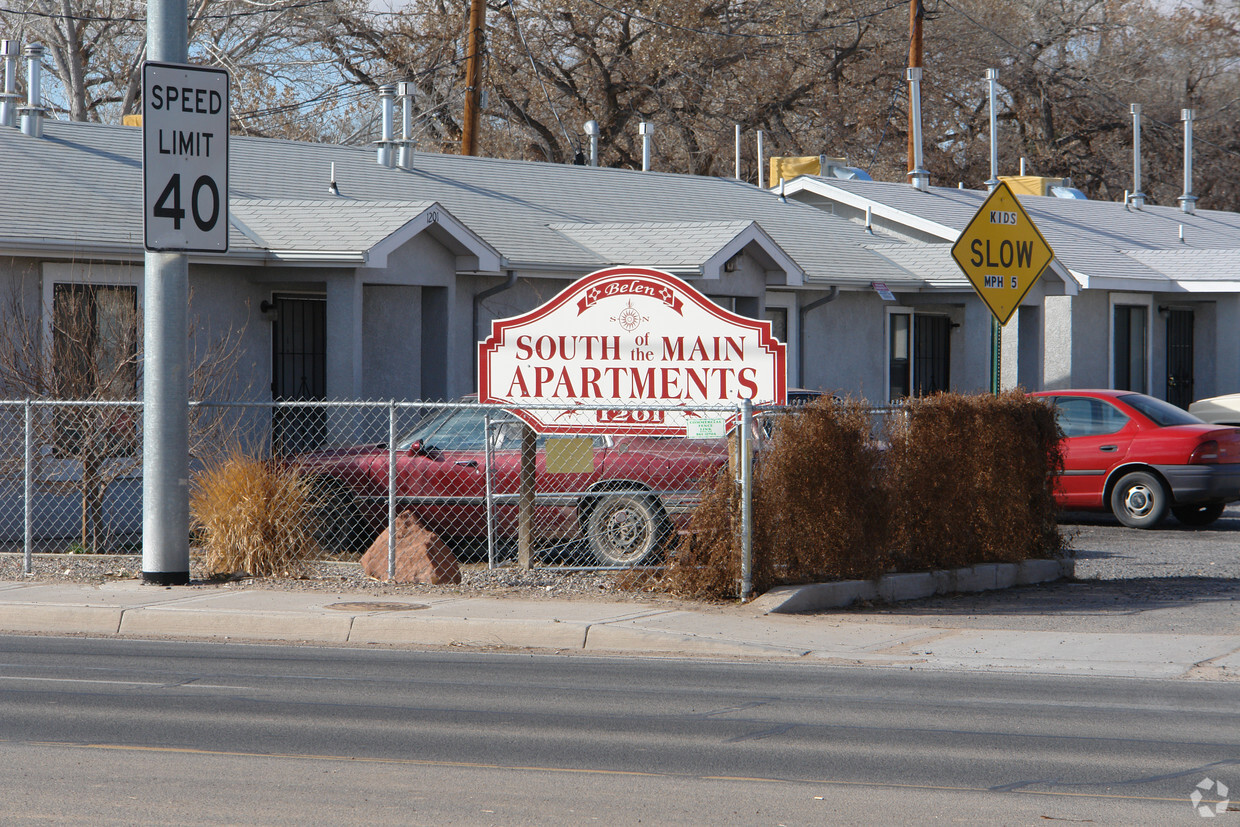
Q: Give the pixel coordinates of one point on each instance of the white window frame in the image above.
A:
(106, 275)
(1145, 300)
(912, 320)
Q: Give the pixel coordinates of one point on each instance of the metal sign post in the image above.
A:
(185, 208)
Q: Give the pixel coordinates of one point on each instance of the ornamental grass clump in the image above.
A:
(252, 516)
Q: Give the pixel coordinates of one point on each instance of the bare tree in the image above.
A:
(82, 354)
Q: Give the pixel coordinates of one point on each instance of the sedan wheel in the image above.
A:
(1139, 500)
(625, 529)
(1197, 515)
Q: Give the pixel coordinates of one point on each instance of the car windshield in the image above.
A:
(451, 429)
(1161, 413)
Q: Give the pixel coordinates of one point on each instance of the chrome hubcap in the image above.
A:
(1139, 500)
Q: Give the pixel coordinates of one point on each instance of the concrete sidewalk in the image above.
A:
(241, 613)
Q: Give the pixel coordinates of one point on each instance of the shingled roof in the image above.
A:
(78, 191)
(1103, 244)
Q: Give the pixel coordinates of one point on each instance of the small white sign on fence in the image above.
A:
(706, 428)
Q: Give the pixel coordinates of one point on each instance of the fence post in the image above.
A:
(28, 491)
(746, 459)
(391, 486)
(490, 501)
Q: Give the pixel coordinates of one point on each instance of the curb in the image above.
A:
(894, 588)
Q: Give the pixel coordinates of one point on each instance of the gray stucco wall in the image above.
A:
(845, 350)
(391, 342)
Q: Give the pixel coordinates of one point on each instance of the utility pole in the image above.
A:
(916, 11)
(473, 81)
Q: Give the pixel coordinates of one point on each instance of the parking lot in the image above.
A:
(1170, 580)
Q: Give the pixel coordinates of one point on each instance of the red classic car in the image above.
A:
(624, 494)
(1141, 457)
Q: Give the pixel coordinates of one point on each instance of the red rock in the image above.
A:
(421, 557)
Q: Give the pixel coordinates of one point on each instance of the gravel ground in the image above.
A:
(476, 579)
(1169, 564)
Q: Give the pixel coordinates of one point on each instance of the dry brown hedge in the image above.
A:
(950, 481)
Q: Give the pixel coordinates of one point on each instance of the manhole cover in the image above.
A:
(376, 606)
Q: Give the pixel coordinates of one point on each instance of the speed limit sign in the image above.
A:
(184, 158)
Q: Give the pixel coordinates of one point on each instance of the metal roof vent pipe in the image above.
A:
(32, 112)
(738, 151)
(387, 96)
(404, 91)
(1188, 201)
(761, 161)
(1137, 199)
(591, 128)
(9, 50)
(992, 82)
(646, 130)
(920, 178)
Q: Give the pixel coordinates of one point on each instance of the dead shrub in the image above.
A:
(818, 503)
(956, 481)
(251, 516)
(970, 481)
(707, 562)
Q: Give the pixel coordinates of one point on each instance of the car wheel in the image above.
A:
(1139, 500)
(626, 529)
(1197, 515)
(336, 519)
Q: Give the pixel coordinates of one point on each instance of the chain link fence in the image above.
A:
(473, 477)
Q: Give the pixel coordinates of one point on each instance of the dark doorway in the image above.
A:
(298, 372)
(931, 354)
(1180, 357)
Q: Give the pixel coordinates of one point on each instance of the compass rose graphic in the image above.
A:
(629, 318)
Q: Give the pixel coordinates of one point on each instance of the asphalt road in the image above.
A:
(111, 732)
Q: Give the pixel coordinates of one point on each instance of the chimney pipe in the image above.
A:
(387, 94)
(761, 161)
(992, 81)
(591, 128)
(404, 158)
(32, 112)
(1188, 201)
(9, 50)
(920, 178)
(738, 152)
(1137, 198)
(646, 130)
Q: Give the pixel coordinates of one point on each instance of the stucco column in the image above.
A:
(344, 337)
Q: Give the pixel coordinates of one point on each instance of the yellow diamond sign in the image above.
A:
(1002, 253)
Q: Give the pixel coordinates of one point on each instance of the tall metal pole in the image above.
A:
(916, 13)
(992, 81)
(473, 81)
(996, 347)
(165, 380)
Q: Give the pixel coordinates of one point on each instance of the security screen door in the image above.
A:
(298, 372)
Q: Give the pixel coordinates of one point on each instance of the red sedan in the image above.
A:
(1140, 457)
(624, 494)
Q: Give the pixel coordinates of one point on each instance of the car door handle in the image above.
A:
(468, 463)
(1109, 448)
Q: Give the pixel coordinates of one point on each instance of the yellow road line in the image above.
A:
(426, 762)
